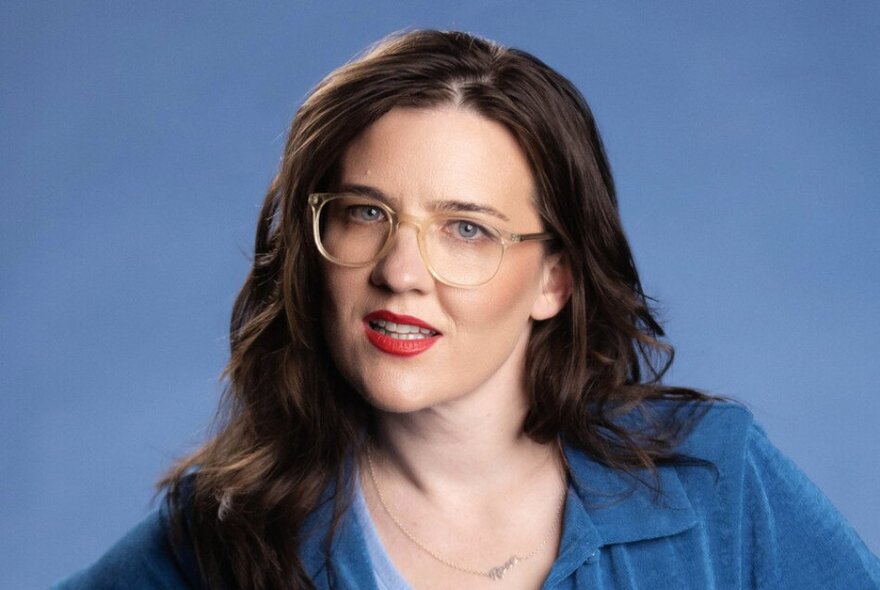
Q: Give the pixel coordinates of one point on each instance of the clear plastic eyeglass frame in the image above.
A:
(317, 201)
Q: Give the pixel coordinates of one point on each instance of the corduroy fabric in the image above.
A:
(752, 521)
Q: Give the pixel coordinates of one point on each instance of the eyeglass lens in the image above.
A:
(355, 230)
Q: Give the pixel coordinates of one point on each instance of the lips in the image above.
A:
(399, 335)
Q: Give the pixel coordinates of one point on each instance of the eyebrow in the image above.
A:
(449, 205)
(470, 208)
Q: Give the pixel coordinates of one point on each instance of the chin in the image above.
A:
(387, 388)
(395, 402)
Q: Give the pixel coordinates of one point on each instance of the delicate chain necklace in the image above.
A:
(495, 573)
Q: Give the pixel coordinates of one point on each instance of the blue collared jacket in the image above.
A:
(752, 521)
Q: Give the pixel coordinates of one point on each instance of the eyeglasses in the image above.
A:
(354, 230)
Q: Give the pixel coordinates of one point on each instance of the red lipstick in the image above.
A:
(399, 335)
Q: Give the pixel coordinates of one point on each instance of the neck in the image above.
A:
(463, 480)
(460, 451)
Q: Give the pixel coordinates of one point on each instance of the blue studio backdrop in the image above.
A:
(138, 139)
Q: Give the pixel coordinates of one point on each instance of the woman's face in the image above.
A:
(421, 161)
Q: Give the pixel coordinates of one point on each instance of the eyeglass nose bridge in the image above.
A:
(399, 219)
(403, 218)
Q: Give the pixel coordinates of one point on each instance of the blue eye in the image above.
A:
(366, 213)
(468, 230)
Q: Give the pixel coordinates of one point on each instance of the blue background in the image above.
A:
(136, 143)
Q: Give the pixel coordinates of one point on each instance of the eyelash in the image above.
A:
(479, 229)
(356, 212)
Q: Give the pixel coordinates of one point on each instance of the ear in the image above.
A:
(555, 289)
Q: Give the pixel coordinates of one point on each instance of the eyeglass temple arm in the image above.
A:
(527, 237)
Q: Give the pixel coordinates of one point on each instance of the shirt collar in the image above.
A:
(624, 509)
(603, 507)
(347, 557)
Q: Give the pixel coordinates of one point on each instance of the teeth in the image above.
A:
(401, 331)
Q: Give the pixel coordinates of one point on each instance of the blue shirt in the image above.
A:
(754, 521)
(386, 574)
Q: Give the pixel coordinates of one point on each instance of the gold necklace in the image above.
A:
(495, 573)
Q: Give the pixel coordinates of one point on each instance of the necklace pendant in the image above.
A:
(496, 573)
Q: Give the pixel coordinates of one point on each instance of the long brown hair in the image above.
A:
(289, 420)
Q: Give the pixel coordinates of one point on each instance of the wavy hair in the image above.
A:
(289, 421)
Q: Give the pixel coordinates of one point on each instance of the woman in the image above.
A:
(445, 373)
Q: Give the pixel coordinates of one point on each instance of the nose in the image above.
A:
(403, 268)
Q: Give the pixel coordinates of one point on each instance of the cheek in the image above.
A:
(504, 303)
(340, 297)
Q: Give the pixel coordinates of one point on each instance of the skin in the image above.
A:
(450, 456)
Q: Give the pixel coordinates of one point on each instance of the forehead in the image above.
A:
(420, 157)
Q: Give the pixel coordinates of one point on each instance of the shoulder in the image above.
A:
(755, 498)
(144, 558)
(733, 504)
(721, 435)
(729, 458)
(718, 432)
(726, 437)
